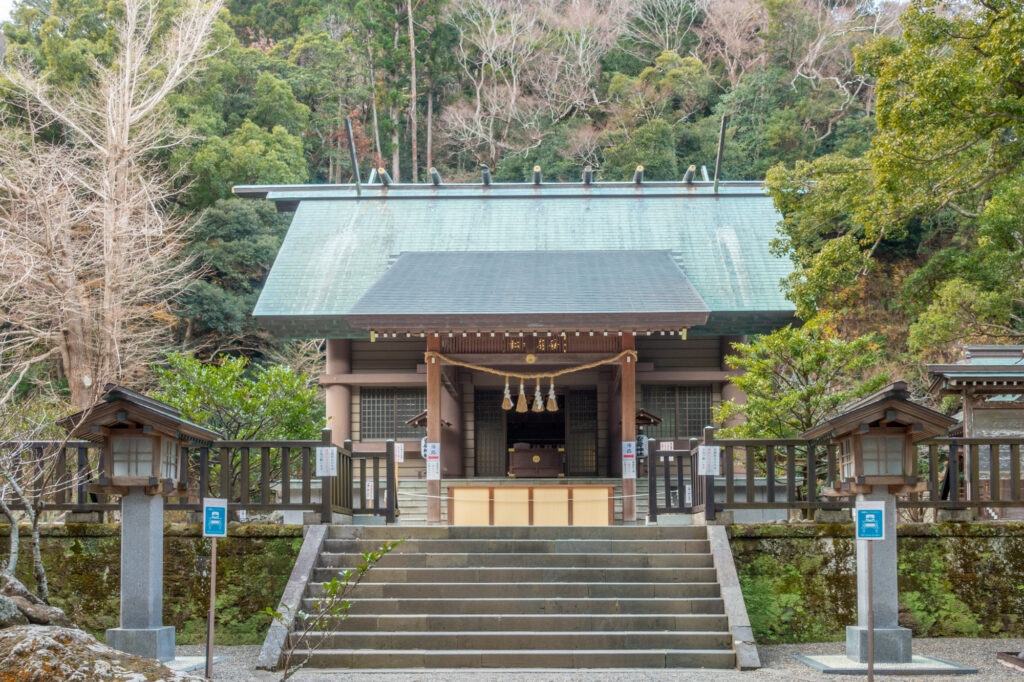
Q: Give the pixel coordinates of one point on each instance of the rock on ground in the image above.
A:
(32, 608)
(42, 614)
(10, 614)
(36, 653)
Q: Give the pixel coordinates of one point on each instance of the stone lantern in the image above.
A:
(876, 438)
(141, 457)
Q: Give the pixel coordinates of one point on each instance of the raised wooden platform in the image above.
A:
(532, 504)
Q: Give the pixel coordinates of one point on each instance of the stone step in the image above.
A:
(357, 622)
(522, 546)
(515, 640)
(462, 658)
(636, 532)
(554, 605)
(529, 574)
(527, 590)
(616, 560)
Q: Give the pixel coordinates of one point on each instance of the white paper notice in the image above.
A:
(709, 461)
(327, 461)
(666, 445)
(399, 452)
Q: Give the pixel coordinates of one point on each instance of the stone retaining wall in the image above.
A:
(955, 579)
(83, 568)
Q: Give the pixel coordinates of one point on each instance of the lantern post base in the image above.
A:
(142, 631)
(155, 643)
(892, 645)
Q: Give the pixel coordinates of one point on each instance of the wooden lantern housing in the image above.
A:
(875, 438)
(142, 442)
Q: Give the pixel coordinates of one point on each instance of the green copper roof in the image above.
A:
(339, 245)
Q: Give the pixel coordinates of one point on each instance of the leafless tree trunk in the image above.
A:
(730, 32)
(430, 126)
(528, 63)
(87, 251)
(654, 26)
(412, 91)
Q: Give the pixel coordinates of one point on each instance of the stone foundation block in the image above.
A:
(892, 645)
(155, 643)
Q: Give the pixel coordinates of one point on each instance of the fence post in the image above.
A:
(325, 483)
(83, 476)
(953, 469)
(346, 477)
(391, 483)
(652, 484)
(709, 481)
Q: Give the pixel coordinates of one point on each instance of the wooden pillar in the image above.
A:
(338, 399)
(628, 394)
(433, 424)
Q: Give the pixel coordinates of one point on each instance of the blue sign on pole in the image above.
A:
(870, 521)
(215, 518)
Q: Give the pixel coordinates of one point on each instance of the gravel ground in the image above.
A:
(239, 665)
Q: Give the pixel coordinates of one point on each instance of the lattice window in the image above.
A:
(684, 410)
(383, 412)
(580, 407)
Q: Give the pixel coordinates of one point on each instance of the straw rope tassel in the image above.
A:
(521, 402)
(538, 399)
(506, 403)
(552, 401)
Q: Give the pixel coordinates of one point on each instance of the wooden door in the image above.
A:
(489, 433)
(581, 432)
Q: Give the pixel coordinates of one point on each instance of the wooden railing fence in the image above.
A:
(760, 473)
(257, 475)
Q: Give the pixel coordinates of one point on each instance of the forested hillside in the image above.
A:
(888, 135)
(456, 85)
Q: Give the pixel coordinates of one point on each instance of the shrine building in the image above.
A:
(524, 325)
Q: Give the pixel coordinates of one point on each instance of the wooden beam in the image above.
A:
(684, 376)
(434, 423)
(628, 411)
(374, 379)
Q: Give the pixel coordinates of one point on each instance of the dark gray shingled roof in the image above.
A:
(556, 289)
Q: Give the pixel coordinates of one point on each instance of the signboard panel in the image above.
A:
(709, 460)
(433, 456)
(628, 459)
(666, 445)
(327, 461)
(215, 518)
(870, 518)
(369, 492)
(399, 452)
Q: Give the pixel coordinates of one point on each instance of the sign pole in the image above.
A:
(871, 612)
(213, 603)
(215, 525)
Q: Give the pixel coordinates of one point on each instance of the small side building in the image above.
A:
(989, 379)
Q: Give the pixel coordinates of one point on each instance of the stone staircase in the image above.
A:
(525, 597)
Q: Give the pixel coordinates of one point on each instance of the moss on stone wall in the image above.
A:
(253, 564)
(799, 581)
